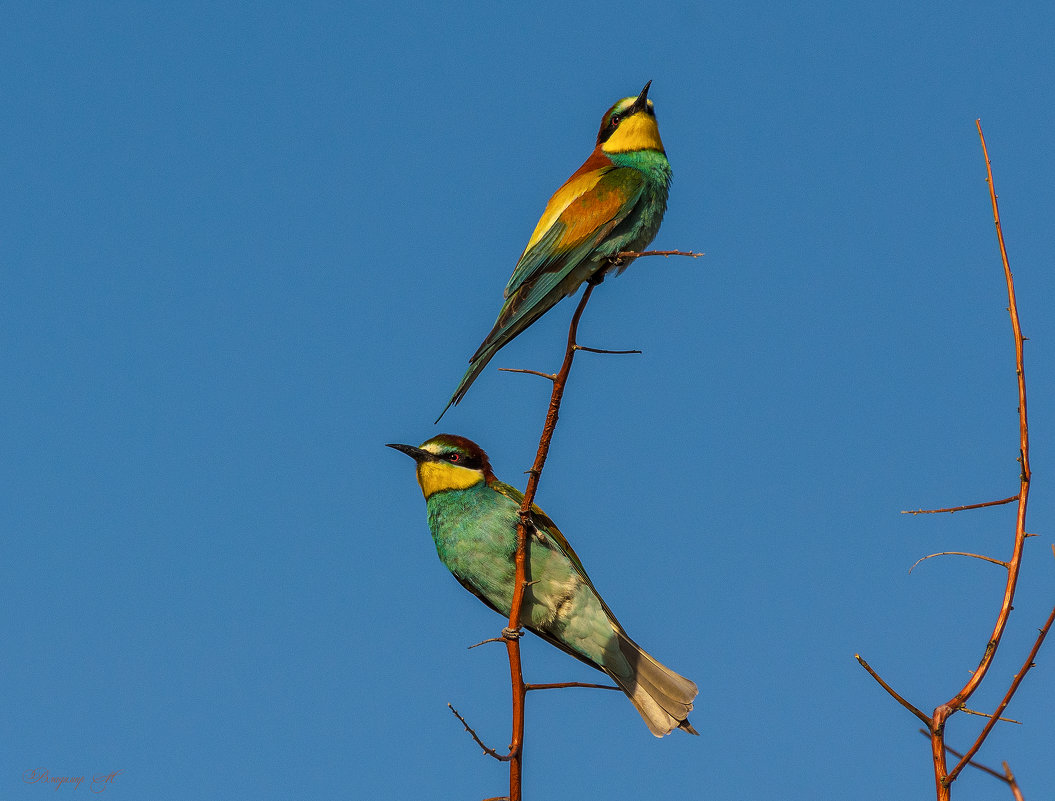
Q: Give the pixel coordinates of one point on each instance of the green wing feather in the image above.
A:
(587, 218)
(543, 523)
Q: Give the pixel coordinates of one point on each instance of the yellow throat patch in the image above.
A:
(438, 476)
(639, 132)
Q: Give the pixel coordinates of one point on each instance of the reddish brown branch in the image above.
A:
(511, 635)
(942, 777)
(633, 254)
(1006, 699)
(959, 553)
(893, 693)
(951, 509)
(985, 769)
(936, 723)
(1010, 778)
(941, 713)
(987, 715)
(560, 380)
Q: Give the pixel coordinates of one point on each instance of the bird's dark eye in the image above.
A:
(616, 119)
(454, 457)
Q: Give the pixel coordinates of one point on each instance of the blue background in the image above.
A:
(244, 246)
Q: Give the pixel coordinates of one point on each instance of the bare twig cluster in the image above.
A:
(935, 722)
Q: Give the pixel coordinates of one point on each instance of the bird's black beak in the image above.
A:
(417, 454)
(642, 100)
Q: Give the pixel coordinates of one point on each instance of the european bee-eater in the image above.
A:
(473, 517)
(612, 204)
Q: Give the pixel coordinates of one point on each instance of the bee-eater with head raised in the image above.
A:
(473, 517)
(612, 204)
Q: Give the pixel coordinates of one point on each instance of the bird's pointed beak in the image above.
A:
(417, 454)
(642, 99)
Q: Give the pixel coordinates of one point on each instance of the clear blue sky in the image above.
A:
(242, 247)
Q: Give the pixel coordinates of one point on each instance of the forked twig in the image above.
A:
(1006, 699)
(972, 763)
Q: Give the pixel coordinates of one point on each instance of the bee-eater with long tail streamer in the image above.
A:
(473, 517)
(612, 204)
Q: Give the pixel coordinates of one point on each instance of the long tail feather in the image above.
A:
(661, 696)
(512, 321)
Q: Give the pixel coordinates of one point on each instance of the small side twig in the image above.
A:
(484, 642)
(892, 691)
(540, 374)
(960, 553)
(1010, 778)
(602, 350)
(987, 715)
(953, 509)
(565, 684)
(487, 750)
(632, 254)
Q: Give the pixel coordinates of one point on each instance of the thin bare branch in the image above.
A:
(484, 642)
(633, 254)
(944, 779)
(972, 763)
(960, 553)
(892, 692)
(952, 509)
(601, 350)
(550, 376)
(1012, 782)
(524, 528)
(566, 684)
(489, 751)
(1007, 697)
(987, 715)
